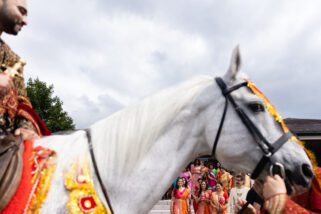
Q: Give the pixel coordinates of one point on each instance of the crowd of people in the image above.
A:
(209, 188)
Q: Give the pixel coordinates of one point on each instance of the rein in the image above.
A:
(93, 159)
(266, 147)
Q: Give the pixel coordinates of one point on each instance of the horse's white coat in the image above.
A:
(141, 149)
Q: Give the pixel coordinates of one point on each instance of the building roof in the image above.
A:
(304, 126)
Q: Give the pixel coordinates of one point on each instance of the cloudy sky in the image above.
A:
(102, 55)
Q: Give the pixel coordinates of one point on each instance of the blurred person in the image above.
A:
(237, 192)
(180, 198)
(219, 200)
(188, 177)
(204, 170)
(196, 172)
(203, 199)
(225, 180)
(276, 200)
(211, 177)
(195, 194)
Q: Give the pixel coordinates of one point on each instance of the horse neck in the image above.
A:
(181, 142)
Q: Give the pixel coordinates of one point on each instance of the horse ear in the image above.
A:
(235, 64)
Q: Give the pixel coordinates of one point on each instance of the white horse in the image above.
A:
(141, 149)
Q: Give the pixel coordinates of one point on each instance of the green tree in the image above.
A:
(48, 107)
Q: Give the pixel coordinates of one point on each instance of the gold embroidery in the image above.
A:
(8, 59)
(44, 166)
(82, 195)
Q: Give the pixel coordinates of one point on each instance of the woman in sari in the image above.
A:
(204, 170)
(196, 172)
(219, 200)
(225, 180)
(180, 198)
(211, 177)
(203, 199)
(196, 193)
(188, 177)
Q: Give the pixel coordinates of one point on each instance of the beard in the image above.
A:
(9, 23)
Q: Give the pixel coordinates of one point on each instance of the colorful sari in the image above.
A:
(211, 180)
(226, 181)
(203, 204)
(219, 200)
(188, 177)
(204, 171)
(196, 193)
(179, 201)
(196, 174)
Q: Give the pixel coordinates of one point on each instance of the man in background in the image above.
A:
(238, 192)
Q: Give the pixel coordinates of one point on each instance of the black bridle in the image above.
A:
(267, 148)
(93, 159)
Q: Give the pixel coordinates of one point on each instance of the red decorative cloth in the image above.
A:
(315, 195)
(19, 200)
(293, 208)
(31, 115)
(311, 200)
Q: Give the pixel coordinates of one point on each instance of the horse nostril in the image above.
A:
(307, 171)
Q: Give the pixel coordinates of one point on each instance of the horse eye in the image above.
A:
(256, 107)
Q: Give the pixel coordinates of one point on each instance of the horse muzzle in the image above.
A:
(299, 180)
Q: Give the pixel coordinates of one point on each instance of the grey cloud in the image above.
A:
(135, 48)
(88, 112)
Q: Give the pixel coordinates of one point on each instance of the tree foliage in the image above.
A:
(48, 106)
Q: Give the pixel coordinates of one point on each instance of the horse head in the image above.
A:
(252, 136)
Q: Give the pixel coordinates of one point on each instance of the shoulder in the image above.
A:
(7, 56)
(246, 189)
(225, 194)
(174, 191)
(5, 47)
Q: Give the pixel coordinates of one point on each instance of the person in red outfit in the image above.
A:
(277, 201)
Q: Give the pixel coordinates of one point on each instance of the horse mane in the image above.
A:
(128, 135)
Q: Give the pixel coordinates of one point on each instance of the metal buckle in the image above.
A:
(269, 154)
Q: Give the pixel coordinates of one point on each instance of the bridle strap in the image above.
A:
(267, 148)
(266, 159)
(225, 92)
(218, 134)
(93, 159)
